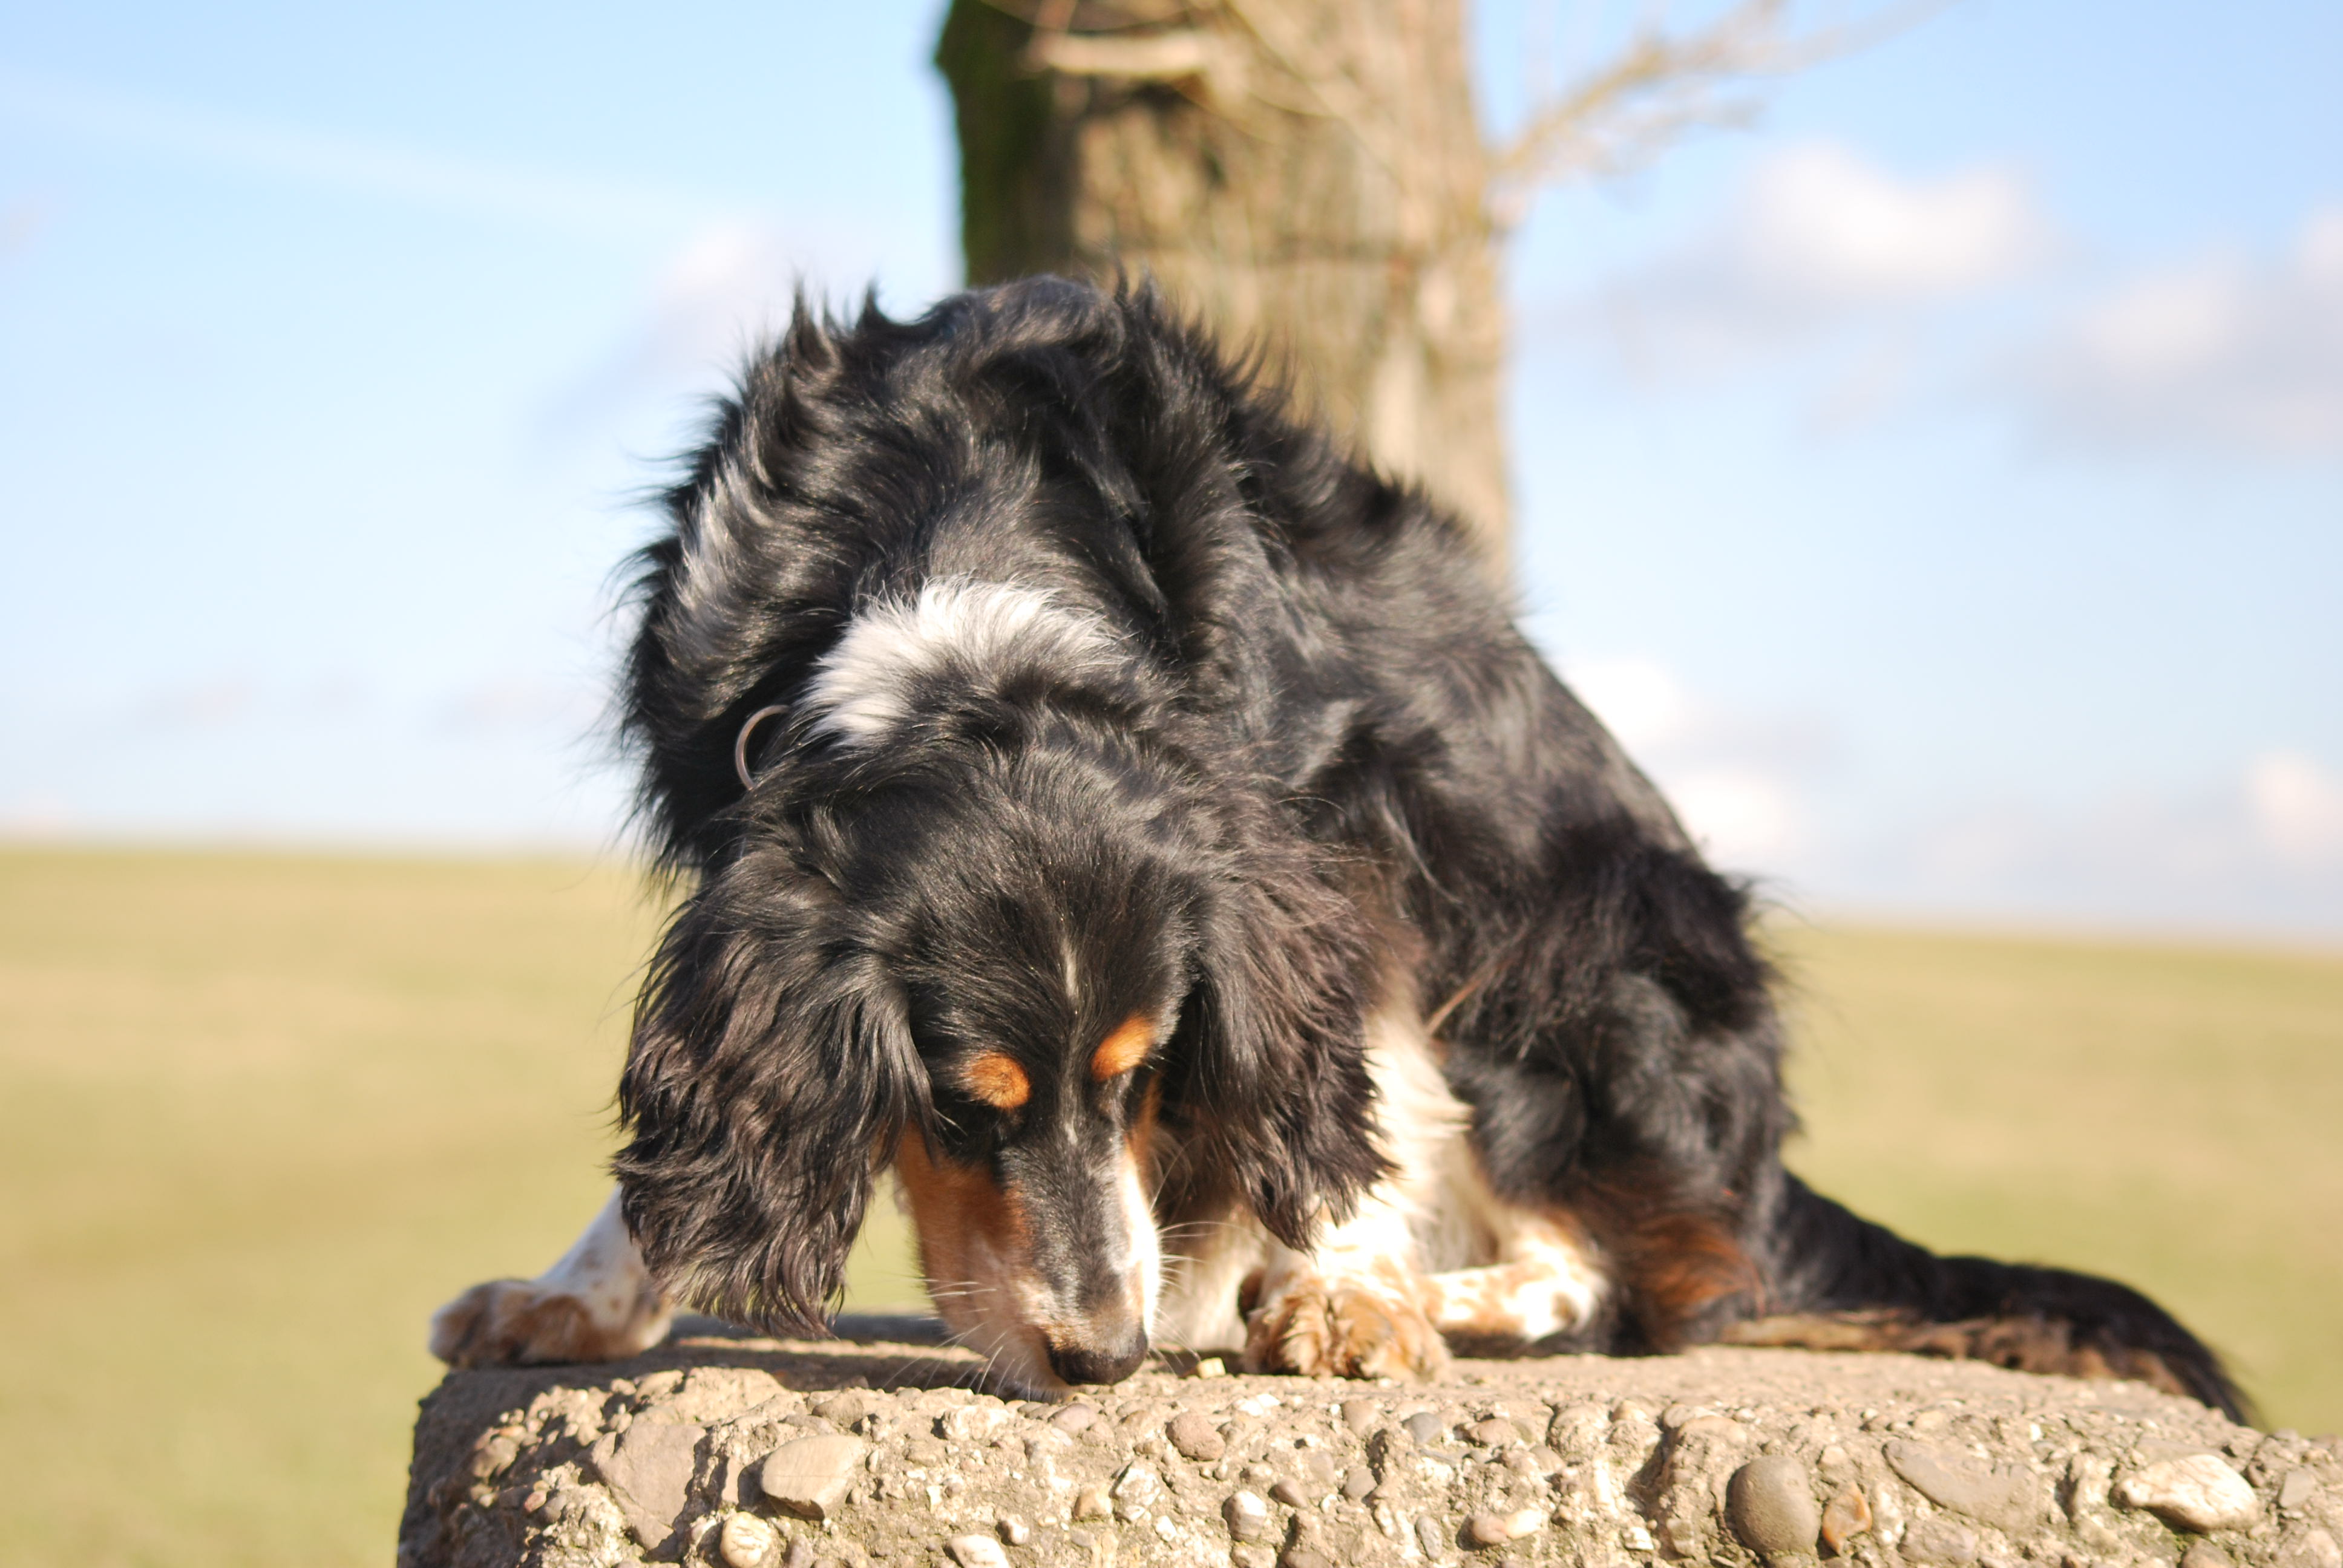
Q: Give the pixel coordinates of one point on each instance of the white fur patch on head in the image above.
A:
(862, 687)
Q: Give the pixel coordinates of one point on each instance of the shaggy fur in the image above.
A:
(1119, 709)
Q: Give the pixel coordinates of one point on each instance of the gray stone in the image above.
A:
(1358, 1482)
(976, 1552)
(1075, 1418)
(1425, 1426)
(1494, 1433)
(1247, 1515)
(1136, 1491)
(808, 1477)
(1360, 1415)
(2309, 1549)
(1490, 1528)
(648, 1468)
(843, 1409)
(1942, 1541)
(1431, 1536)
(1191, 1431)
(1772, 1506)
(2007, 1499)
(974, 1422)
(2298, 1489)
(2205, 1555)
(747, 1542)
(2200, 1493)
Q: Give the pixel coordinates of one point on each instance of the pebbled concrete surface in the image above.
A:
(715, 1449)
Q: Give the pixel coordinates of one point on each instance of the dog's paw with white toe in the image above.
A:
(1343, 1324)
(598, 1304)
(530, 1322)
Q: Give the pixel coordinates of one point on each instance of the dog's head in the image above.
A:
(1033, 973)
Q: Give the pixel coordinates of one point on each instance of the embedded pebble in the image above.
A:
(1075, 1418)
(1494, 1433)
(973, 1423)
(2200, 1493)
(1136, 1491)
(1360, 1415)
(808, 1477)
(1429, 1535)
(1193, 1433)
(2309, 1549)
(1252, 1557)
(1425, 1426)
(1015, 1531)
(2298, 1489)
(1846, 1516)
(977, 1552)
(2205, 1555)
(1494, 1528)
(1290, 1492)
(1094, 1502)
(845, 1409)
(2007, 1499)
(1771, 1505)
(1358, 1483)
(1247, 1515)
(1941, 1542)
(1210, 1366)
(746, 1541)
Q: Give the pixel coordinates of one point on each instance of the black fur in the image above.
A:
(1322, 757)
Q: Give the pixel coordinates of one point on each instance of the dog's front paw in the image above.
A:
(1343, 1325)
(524, 1323)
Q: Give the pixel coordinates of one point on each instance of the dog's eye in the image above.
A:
(1124, 1049)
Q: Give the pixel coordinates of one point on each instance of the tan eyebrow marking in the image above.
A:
(997, 1080)
(1125, 1049)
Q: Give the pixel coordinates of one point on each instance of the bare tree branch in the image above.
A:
(1662, 86)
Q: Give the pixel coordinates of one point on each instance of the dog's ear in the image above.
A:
(768, 1078)
(1272, 1067)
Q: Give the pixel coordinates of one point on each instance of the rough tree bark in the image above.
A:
(1308, 176)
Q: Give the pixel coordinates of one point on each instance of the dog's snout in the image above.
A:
(1099, 1360)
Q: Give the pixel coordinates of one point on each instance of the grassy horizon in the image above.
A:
(266, 1111)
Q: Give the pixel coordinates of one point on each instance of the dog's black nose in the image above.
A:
(1098, 1363)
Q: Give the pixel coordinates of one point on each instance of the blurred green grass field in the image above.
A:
(263, 1112)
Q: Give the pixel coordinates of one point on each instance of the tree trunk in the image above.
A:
(1306, 176)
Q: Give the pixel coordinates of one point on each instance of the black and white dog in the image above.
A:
(1143, 829)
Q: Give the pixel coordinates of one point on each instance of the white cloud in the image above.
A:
(2297, 809)
(2227, 352)
(1819, 237)
(550, 197)
(1822, 222)
(2264, 851)
(1642, 703)
(727, 288)
(1736, 782)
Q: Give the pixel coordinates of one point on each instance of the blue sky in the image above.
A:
(1939, 482)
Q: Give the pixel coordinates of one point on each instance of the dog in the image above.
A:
(1142, 828)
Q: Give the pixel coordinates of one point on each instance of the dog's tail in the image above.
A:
(1839, 1282)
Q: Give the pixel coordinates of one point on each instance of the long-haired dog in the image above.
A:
(1143, 829)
